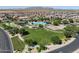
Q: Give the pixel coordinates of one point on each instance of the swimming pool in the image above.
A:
(37, 23)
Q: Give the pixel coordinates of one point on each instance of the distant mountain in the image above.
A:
(39, 8)
(33, 10)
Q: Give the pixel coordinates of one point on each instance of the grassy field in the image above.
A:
(43, 36)
(18, 44)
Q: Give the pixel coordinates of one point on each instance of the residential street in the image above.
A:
(5, 43)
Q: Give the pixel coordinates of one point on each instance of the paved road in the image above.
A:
(69, 48)
(5, 43)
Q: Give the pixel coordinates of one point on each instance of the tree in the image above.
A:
(40, 26)
(68, 34)
(23, 31)
(65, 22)
(30, 42)
(71, 21)
(42, 47)
(14, 30)
(70, 31)
(56, 22)
(57, 18)
(77, 30)
(39, 49)
(6, 26)
(29, 49)
(77, 20)
(9, 17)
(70, 28)
(56, 40)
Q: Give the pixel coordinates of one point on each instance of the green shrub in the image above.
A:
(65, 22)
(42, 47)
(14, 30)
(40, 26)
(56, 40)
(71, 21)
(23, 32)
(56, 22)
(77, 20)
(70, 31)
(30, 42)
(29, 49)
(68, 34)
(39, 49)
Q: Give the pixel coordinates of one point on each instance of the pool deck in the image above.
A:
(43, 23)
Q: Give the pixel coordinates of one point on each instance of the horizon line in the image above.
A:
(53, 7)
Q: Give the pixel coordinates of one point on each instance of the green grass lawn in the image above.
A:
(18, 44)
(43, 36)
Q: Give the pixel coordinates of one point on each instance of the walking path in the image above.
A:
(52, 27)
(20, 37)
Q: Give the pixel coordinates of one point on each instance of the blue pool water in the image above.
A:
(37, 23)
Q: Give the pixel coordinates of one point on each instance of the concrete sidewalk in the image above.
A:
(77, 51)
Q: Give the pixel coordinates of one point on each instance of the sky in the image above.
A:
(66, 7)
(55, 7)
